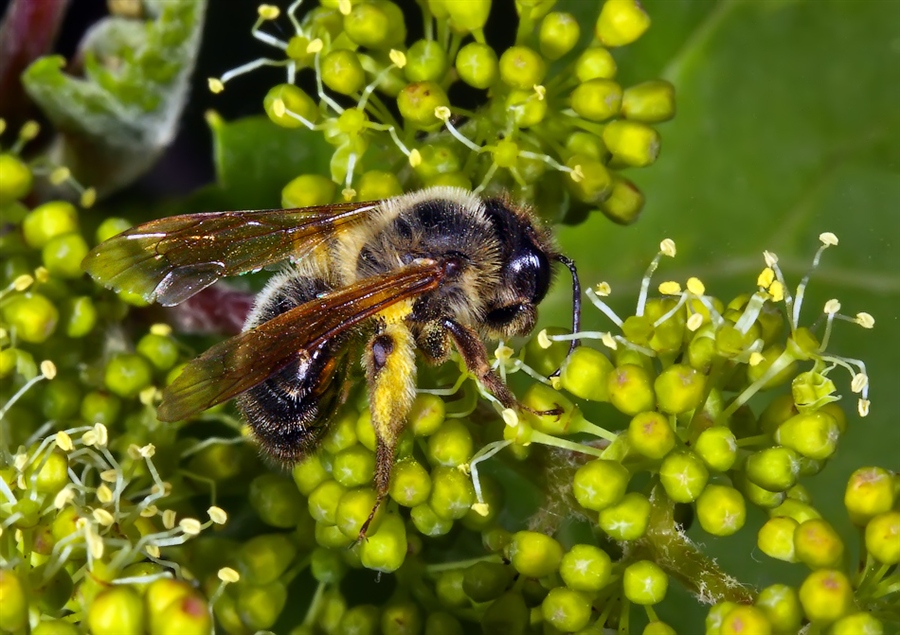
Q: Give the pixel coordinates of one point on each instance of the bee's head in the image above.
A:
(525, 272)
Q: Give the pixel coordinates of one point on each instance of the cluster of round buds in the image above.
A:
(553, 118)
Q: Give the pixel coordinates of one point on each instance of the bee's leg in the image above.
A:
(390, 364)
(474, 354)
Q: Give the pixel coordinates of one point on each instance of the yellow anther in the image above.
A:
(540, 91)
(503, 352)
(42, 274)
(828, 239)
(776, 290)
(695, 286)
(88, 198)
(101, 435)
(398, 58)
(168, 518)
(190, 526)
(543, 339)
(765, 278)
(29, 130)
(60, 175)
(228, 575)
(20, 461)
(770, 258)
(442, 112)
(104, 494)
(863, 407)
(103, 517)
(348, 193)
(217, 515)
(577, 174)
(415, 158)
(22, 282)
(48, 369)
(482, 509)
(215, 85)
(2, 126)
(667, 248)
(278, 107)
(603, 289)
(64, 441)
(148, 451)
(694, 322)
(162, 329)
(555, 382)
(670, 287)
(756, 358)
(465, 468)
(315, 46)
(510, 417)
(150, 511)
(609, 341)
(133, 451)
(63, 497)
(147, 395)
(152, 551)
(95, 545)
(268, 11)
(865, 320)
(860, 381)
(165, 490)
(832, 306)
(109, 476)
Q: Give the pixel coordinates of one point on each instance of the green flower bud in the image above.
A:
(585, 374)
(883, 537)
(375, 185)
(440, 623)
(522, 67)
(410, 483)
(507, 614)
(566, 610)
(658, 628)
(777, 412)
(308, 190)
(683, 476)
(331, 537)
(645, 583)
(48, 221)
(262, 559)
(477, 65)
(327, 566)
(116, 610)
(17, 179)
(418, 101)
(757, 495)
(631, 143)
(527, 109)
(595, 183)
(54, 627)
(79, 316)
(13, 603)
(595, 63)
(468, 16)
(818, 545)
(772, 353)
(813, 434)
(342, 434)
(721, 510)
(452, 493)
(623, 205)
(679, 389)
(826, 595)
(450, 179)
(547, 361)
(774, 469)
(870, 491)
(451, 445)
(160, 350)
(862, 623)
(650, 102)
(385, 550)
(597, 99)
(651, 434)
(534, 555)
(426, 415)
(627, 519)
(127, 374)
(353, 511)
(599, 484)
(586, 568)
(401, 617)
(324, 500)
(795, 509)
(32, 315)
(621, 22)
(62, 255)
(309, 474)
(276, 500)
(159, 595)
(363, 619)
(368, 25)
(260, 606)
(342, 71)
(449, 589)
(50, 474)
(630, 389)
(426, 61)
(745, 619)
(61, 399)
(717, 447)
(428, 523)
(541, 397)
(353, 466)
(486, 581)
(781, 605)
(110, 227)
(284, 99)
(558, 34)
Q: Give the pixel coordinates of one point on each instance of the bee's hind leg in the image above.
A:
(390, 364)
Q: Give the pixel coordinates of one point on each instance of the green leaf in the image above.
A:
(114, 122)
(788, 125)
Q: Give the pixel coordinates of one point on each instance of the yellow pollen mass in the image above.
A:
(215, 85)
(670, 287)
(667, 248)
(865, 320)
(398, 58)
(695, 286)
(268, 11)
(603, 289)
(832, 306)
(415, 158)
(756, 358)
(776, 290)
(543, 339)
(694, 322)
(765, 278)
(828, 239)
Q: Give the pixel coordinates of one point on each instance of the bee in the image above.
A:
(432, 270)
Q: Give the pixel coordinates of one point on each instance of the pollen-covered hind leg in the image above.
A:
(390, 364)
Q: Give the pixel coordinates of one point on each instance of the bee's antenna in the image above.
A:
(576, 303)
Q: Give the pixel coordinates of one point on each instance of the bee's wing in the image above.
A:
(239, 363)
(170, 259)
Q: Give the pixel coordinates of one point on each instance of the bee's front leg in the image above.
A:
(475, 356)
(390, 364)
